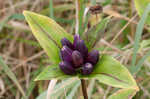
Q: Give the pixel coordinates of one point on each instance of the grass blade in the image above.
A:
(139, 64)
(138, 34)
(66, 84)
(73, 91)
(80, 7)
(91, 88)
(32, 83)
(51, 10)
(11, 75)
(94, 34)
(13, 16)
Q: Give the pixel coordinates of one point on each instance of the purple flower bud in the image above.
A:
(93, 57)
(80, 46)
(76, 38)
(66, 42)
(87, 69)
(77, 59)
(67, 68)
(66, 54)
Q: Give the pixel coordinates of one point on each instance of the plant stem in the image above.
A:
(84, 89)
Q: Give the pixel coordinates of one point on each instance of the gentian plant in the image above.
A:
(75, 57)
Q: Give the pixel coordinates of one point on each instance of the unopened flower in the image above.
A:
(75, 57)
(66, 53)
(67, 68)
(87, 69)
(93, 57)
(81, 47)
(66, 42)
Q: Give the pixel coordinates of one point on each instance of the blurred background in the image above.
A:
(26, 59)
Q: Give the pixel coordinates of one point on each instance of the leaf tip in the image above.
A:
(36, 79)
(25, 12)
(137, 88)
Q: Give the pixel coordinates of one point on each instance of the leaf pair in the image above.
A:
(108, 70)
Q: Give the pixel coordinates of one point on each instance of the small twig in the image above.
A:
(110, 45)
(84, 91)
(77, 16)
(130, 15)
(117, 15)
(119, 33)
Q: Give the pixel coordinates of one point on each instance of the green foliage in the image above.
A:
(108, 70)
(111, 72)
(51, 72)
(93, 35)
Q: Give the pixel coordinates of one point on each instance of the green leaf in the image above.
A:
(93, 35)
(141, 6)
(52, 72)
(48, 33)
(109, 71)
(123, 94)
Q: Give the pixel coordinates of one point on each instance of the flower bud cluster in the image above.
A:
(75, 57)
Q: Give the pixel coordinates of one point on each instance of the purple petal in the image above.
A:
(93, 57)
(67, 68)
(66, 42)
(66, 54)
(87, 69)
(77, 59)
